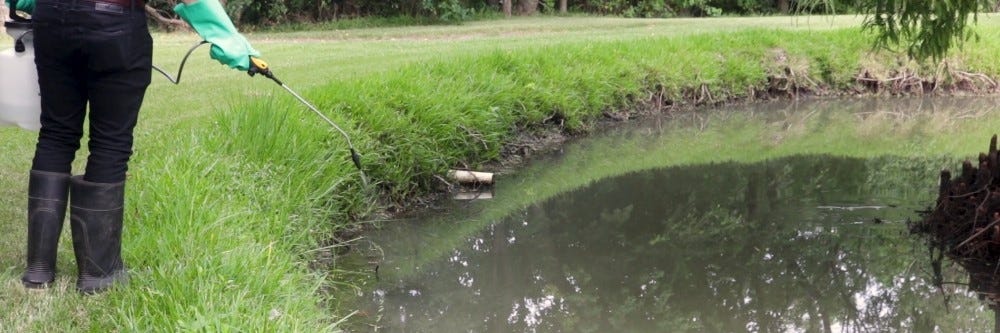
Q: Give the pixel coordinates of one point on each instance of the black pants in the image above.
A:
(88, 51)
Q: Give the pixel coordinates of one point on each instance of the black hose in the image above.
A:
(181, 69)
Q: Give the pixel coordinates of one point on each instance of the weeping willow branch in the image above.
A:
(924, 28)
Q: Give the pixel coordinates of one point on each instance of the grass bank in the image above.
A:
(235, 190)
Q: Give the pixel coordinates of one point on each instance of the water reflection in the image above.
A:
(799, 244)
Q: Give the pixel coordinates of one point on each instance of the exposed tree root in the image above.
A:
(909, 81)
(904, 82)
(964, 224)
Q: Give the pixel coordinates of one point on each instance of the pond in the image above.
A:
(612, 234)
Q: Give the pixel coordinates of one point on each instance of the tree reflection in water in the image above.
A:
(800, 244)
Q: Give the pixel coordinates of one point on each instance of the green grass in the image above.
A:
(234, 185)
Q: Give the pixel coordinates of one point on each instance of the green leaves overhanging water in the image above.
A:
(923, 28)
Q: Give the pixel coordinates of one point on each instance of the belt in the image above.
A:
(139, 4)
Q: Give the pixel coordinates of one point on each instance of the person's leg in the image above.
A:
(63, 96)
(120, 71)
(62, 80)
(119, 53)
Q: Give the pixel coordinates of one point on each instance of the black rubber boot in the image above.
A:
(47, 193)
(96, 211)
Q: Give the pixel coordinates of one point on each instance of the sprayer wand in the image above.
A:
(258, 66)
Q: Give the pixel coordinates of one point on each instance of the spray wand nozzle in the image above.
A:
(259, 66)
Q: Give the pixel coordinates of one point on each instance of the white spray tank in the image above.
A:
(20, 103)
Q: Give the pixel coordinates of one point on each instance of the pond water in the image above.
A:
(790, 242)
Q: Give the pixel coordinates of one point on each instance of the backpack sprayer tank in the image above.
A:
(20, 103)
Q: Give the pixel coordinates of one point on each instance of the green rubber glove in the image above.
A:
(210, 21)
(26, 6)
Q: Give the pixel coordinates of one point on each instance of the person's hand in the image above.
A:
(26, 6)
(210, 21)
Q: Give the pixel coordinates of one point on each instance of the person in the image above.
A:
(96, 53)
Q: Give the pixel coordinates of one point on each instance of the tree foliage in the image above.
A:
(272, 12)
(925, 29)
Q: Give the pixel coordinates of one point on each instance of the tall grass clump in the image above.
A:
(227, 225)
(218, 251)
